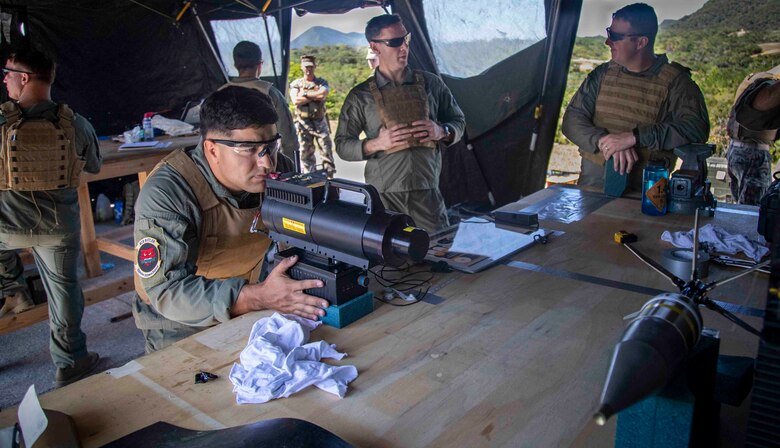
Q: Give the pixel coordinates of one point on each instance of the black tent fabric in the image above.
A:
(118, 59)
(493, 164)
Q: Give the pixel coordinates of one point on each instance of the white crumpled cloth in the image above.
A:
(720, 240)
(172, 127)
(277, 364)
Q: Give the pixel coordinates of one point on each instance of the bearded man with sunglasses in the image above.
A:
(404, 114)
(635, 108)
(197, 264)
(39, 207)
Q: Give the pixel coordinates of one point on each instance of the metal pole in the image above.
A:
(208, 41)
(556, 10)
(270, 47)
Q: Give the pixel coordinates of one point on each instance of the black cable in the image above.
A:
(407, 282)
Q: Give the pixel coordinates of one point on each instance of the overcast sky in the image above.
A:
(595, 16)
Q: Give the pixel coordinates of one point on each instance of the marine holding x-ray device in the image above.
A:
(337, 240)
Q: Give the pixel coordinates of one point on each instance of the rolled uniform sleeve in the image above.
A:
(285, 124)
(295, 89)
(449, 112)
(87, 146)
(167, 212)
(578, 119)
(352, 122)
(754, 119)
(685, 118)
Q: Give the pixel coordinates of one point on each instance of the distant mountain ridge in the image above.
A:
(320, 36)
(752, 15)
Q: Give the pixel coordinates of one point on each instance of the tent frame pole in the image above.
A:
(211, 47)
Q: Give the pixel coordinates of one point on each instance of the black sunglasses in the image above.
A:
(614, 37)
(7, 70)
(244, 148)
(395, 42)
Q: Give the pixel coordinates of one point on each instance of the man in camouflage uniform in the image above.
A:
(308, 95)
(749, 157)
(40, 208)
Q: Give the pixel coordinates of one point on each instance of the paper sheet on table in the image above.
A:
(154, 144)
(32, 419)
(480, 237)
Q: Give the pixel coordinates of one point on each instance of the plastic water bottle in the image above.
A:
(147, 125)
(655, 187)
(119, 207)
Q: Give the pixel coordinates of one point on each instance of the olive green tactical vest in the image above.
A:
(38, 154)
(227, 248)
(738, 132)
(402, 104)
(626, 101)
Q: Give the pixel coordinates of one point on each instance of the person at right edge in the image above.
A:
(753, 127)
(635, 108)
(404, 113)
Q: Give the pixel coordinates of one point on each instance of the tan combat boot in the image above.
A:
(17, 303)
(81, 369)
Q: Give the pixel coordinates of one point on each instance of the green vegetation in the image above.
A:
(342, 66)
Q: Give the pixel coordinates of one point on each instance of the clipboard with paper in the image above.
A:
(476, 244)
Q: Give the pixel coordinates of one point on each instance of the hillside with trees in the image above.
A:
(721, 43)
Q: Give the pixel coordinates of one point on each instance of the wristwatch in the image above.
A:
(449, 134)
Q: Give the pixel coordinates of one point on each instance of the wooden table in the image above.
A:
(118, 163)
(511, 357)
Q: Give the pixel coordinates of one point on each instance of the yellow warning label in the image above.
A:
(408, 229)
(295, 226)
(657, 194)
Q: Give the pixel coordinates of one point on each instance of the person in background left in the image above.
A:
(248, 59)
(40, 209)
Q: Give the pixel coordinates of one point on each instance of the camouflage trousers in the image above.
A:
(750, 171)
(314, 136)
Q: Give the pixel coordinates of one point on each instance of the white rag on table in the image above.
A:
(277, 364)
(719, 239)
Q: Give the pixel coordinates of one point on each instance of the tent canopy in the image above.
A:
(120, 58)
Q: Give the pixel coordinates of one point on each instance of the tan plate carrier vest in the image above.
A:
(313, 110)
(38, 154)
(227, 248)
(738, 132)
(402, 104)
(257, 84)
(626, 101)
